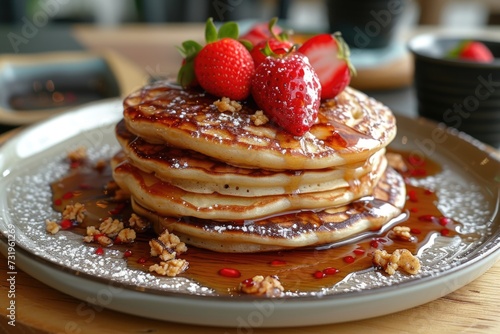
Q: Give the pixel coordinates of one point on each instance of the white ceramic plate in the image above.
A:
(468, 189)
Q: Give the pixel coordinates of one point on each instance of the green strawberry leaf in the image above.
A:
(247, 44)
(229, 30)
(210, 31)
(189, 49)
(186, 76)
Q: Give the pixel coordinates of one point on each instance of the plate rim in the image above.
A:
(239, 309)
(489, 257)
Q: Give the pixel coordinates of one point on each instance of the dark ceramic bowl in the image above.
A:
(366, 24)
(462, 94)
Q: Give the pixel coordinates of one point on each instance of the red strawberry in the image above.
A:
(277, 46)
(223, 67)
(277, 43)
(471, 50)
(261, 32)
(287, 88)
(329, 56)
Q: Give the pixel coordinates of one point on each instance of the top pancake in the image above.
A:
(350, 128)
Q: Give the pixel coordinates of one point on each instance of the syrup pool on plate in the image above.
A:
(300, 270)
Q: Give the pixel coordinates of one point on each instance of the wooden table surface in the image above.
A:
(473, 308)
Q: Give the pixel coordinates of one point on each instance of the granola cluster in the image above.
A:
(74, 212)
(401, 259)
(167, 247)
(226, 104)
(268, 286)
(110, 231)
(114, 231)
(78, 154)
(51, 226)
(137, 223)
(402, 233)
(259, 118)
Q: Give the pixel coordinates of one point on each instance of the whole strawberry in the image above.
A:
(329, 55)
(223, 67)
(287, 89)
(261, 32)
(473, 51)
(278, 43)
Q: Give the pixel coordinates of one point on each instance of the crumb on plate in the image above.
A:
(78, 154)
(111, 227)
(401, 259)
(167, 246)
(74, 212)
(51, 226)
(402, 233)
(170, 268)
(137, 222)
(269, 286)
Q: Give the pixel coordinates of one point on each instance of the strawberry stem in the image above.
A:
(282, 37)
(268, 52)
(271, 25)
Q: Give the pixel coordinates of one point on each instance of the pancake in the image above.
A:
(289, 230)
(350, 128)
(195, 172)
(168, 200)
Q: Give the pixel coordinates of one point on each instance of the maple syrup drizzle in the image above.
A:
(192, 112)
(300, 270)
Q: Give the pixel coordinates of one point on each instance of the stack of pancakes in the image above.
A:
(221, 182)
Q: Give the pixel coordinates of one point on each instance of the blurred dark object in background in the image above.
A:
(7, 14)
(155, 11)
(12, 10)
(366, 23)
(459, 93)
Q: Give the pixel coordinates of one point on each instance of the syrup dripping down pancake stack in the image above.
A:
(222, 183)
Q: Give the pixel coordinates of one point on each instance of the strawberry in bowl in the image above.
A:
(472, 51)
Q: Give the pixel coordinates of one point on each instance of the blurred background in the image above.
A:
(146, 32)
(305, 14)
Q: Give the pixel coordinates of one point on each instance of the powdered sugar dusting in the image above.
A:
(26, 203)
